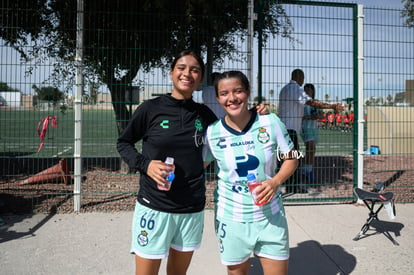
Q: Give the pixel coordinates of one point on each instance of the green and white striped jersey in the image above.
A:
(256, 149)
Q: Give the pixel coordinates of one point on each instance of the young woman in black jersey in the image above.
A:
(169, 223)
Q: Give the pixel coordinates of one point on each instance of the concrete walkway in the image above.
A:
(321, 242)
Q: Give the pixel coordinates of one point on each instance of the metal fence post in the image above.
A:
(78, 108)
(360, 105)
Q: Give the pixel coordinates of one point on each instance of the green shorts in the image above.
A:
(309, 134)
(155, 232)
(268, 238)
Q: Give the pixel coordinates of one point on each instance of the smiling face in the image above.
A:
(186, 77)
(232, 96)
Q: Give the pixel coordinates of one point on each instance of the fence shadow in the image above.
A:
(8, 235)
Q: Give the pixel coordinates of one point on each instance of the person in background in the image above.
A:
(310, 134)
(351, 120)
(244, 142)
(338, 121)
(209, 97)
(292, 99)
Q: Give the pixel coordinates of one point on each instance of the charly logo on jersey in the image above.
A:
(222, 143)
(263, 136)
(165, 124)
(142, 238)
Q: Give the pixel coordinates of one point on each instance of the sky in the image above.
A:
(326, 55)
(372, 3)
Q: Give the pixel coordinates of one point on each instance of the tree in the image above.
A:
(122, 37)
(408, 12)
(4, 87)
(49, 93)
(389, 100)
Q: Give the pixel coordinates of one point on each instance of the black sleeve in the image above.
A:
(208, 114)
(134, 132)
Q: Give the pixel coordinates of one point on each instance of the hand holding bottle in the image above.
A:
(169, 175)
(162, 173)
(253, 184)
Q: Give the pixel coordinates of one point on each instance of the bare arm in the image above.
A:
(268, 188)
(322, 105)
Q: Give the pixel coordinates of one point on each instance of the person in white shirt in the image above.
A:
(210, 99)
(292, 99)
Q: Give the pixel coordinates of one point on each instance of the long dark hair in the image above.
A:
(193, 54)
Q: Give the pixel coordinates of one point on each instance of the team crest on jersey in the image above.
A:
(221, 246)
(263, 136)
(198, 125)
(143, 238)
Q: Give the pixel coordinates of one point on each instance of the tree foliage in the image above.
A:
(4, 87)
(408, 12)
(49, 93)
(123, 37)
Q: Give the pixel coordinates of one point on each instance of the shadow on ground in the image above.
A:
(304, 260)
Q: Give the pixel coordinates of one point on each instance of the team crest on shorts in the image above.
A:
(263, 136)
(143, 238)
(221, 246)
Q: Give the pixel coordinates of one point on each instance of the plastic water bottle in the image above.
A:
(389, 209)
(170, 177)
(252, 183)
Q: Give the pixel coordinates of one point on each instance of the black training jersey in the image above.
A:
(169, 127)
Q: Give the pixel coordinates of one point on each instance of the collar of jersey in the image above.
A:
(246, 128)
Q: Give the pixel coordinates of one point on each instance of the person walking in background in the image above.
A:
(209, 97)
(338, 121)
(243, 143)
(169, 223)
(310, 134)
(292, 99)
(351, 120)
(331, 120)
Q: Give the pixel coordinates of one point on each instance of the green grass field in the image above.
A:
(19, 136)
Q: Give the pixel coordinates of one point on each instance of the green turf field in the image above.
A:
(19, 137)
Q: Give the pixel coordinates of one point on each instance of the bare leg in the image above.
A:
(178, 262)
(310, 152)
(240, 269)
(274, 267)
(146, 266)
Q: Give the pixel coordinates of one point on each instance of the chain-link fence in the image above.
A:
(37, 116)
